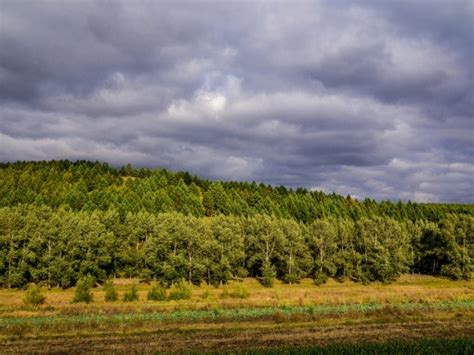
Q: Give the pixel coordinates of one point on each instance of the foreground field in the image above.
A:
(430, 311)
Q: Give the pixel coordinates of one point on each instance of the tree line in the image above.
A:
(59, 246)
(90, 186)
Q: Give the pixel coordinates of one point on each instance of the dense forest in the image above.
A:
(62, 220)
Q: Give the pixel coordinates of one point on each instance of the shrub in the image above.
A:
(157, 293)
(83, 291)
(180, 291)
(291, 279)
(110, 292)
(240, 291)
(131, 295)
(267, 275)
(320, 279)
(241, 272)
(33, 296)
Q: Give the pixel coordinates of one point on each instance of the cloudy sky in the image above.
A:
(367, 98)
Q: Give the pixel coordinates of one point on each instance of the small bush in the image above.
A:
(83, 291)
(320, 279)
(131, 295)
(157, 293)
(180, 291)
(241, 272)
(268, 274)
(33, 296)
(240, 291)
(291, 279)
(110, 292)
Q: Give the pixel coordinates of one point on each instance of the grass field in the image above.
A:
(420, 312)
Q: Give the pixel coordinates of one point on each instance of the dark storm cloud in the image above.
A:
(362, 98)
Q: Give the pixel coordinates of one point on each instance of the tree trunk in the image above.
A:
(49, 263)
(321, 259)
(289, 266)
(190, 273)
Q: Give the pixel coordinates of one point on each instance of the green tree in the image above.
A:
(264, 243)
(225, 250)
(321, 237)
(33, 296)
(110, 292)
(295, 261)
(83, 290)
(215, 200)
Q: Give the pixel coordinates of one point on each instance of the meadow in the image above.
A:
(428, 312)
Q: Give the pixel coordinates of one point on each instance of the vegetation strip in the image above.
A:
(239, 337)
(238, 313)
(61, 222)
(423, 346)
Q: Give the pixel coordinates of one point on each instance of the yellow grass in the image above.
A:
(141, 335)
(409, 288)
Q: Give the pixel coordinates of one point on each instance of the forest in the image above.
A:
(61, 221)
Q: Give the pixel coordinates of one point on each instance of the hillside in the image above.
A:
(62, 221)
(89, 186)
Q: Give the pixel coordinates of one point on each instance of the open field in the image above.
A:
(412, 309)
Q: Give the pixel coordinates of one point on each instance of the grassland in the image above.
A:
(416, 311)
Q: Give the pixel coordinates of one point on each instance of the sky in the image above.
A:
(364, 98)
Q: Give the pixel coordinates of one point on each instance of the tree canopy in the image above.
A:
(61, 222)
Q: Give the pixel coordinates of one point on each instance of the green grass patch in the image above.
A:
(232, 314)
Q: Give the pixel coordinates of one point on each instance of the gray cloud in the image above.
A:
(363, 98)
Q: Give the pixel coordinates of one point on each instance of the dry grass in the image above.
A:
(208, 337)
(408, 289)
(93, 328)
